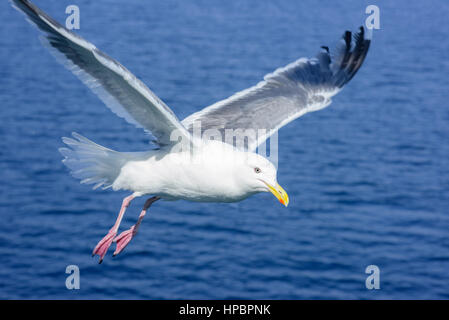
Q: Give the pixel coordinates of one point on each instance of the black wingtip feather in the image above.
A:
(349, 57)
(33, 14)
(347, 38)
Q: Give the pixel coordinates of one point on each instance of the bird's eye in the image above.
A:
(257, 170)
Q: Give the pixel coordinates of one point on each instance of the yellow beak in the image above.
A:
(279, 193)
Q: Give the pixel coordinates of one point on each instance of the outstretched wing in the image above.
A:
(118, 88)
(303, 86)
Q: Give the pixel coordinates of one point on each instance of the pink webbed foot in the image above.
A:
(123, 239)
(104, 244)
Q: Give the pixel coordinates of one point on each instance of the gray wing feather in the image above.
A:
(117, 87)
(303, 86)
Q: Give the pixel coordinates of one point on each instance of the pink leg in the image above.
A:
(104, 244)
(125, 237)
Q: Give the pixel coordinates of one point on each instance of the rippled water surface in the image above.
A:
(367, 177)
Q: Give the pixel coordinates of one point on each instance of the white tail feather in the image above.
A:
(92, 163)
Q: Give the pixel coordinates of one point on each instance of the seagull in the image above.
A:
(184, 164)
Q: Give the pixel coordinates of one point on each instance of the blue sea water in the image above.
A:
(368, 177)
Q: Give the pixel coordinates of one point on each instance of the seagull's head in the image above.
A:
(259, 174)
